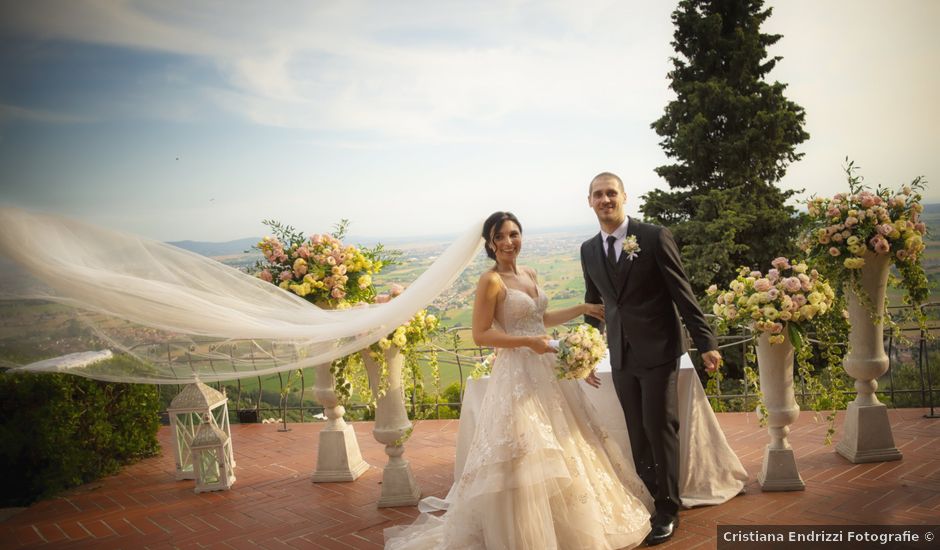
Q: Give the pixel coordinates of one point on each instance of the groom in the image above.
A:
(634, 269)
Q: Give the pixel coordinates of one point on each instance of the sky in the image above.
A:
(197, 120)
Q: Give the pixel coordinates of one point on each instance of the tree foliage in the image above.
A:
(732, 136)
(59, 430)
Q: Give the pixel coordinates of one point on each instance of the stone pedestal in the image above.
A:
(338, 455)
(775, 367)
(866, 432)
(392, 428)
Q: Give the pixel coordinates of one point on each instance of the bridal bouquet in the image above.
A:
(579, 352)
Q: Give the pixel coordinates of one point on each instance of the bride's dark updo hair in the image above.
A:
(493, 224)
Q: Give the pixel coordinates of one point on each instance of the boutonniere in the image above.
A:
(630, 247)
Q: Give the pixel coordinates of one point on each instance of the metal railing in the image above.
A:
(457, 355)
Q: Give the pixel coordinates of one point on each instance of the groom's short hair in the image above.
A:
(606, 175)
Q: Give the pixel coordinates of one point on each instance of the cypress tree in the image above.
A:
(731, 135)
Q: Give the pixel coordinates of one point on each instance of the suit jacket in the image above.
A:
(642, 312)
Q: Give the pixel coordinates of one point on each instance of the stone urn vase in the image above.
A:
(392, 428)
(775, 368)
(338, 455)
(866, 432)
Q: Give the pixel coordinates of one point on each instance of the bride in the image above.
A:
(541, 474)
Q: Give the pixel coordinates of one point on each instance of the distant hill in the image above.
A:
(932, 208)
(239, 246)
(227, 248)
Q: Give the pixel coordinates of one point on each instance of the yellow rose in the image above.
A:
(808, 311)
(854, 263)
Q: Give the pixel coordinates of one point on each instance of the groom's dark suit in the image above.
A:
(643, 299)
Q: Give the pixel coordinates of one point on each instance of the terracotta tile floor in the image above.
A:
(274, 505)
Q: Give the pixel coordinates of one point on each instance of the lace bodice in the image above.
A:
(520, 314)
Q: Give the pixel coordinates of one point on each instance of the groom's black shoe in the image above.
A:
(663, 527)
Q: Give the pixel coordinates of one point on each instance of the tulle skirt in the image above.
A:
(541, 473)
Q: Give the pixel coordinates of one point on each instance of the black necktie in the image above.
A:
(611, 253)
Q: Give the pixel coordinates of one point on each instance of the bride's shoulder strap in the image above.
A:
(532, 274)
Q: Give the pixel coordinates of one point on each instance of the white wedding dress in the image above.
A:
(541, 473)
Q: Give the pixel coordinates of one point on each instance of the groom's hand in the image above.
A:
(712, 360)
(593, 380)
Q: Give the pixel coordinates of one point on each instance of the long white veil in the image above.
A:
(234, 325)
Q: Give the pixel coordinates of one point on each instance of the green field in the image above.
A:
(31, 331)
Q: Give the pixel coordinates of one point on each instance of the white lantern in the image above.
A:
(212, 463)
(187, 412)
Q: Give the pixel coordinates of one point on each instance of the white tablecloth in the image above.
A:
(709, 471)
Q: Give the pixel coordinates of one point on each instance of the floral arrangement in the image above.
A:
(786, 298)
(484, 367)
(419, 330)
(579, 351)
(320, 269)
(847, 228)
(324, 271)
(786, 301)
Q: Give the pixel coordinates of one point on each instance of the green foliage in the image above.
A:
(732, 135)
(58, 431)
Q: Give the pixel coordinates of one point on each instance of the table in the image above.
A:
(709, 471)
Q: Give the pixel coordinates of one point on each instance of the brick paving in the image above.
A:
(273, 504)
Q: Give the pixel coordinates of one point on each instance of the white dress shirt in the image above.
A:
(620, 234)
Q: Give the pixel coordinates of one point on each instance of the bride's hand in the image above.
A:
(594, 310)
(539, 344)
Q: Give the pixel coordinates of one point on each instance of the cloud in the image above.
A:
(416, 72)
(13, 112)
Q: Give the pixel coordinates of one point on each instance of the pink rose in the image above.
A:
(885, 229)
(805, 282)
(773, 275)
(382, 298)
(851, 221)
(773, 293)
(776, 328)
(902, 254)
(286, 275)
(762, 285)
(799, 300)
(792, 284)
(781, 263)
(921, 228)
(833, 251)
(266, 276)
(396, 289)
(338, 293)
(303, 252)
